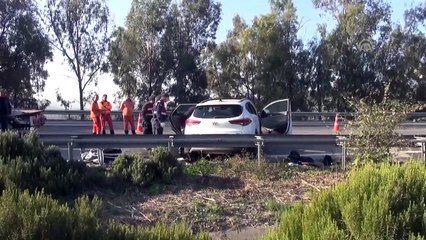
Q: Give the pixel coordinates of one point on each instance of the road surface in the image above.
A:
(299, 128)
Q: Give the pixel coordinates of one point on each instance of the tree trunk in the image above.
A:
(80, 91)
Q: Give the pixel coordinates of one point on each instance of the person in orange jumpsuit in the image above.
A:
(95, 113)
(127, 108)
(105, 108)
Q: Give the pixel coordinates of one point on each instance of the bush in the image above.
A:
(27, 164)
(372, 133)
(24, 216)
(386, 202)
(134, 169)
(13, 146)
(167, 165)
(202, 167)
(159, 232)
(250, 169)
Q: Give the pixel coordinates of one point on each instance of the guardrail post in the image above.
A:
(342, 142)
(71, 150)
(259, 144)
(101, 157)
(343, 157)
(170, 144)
(424, 151)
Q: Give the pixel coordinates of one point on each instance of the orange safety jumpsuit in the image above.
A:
(127, 107)
(105, 108)
(95, 115)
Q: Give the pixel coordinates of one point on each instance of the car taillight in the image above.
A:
(242, 121)
(190, 122)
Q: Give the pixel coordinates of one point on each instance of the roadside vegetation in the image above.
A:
(45, 197)
(377, 202)
(157, 197)
(373, 130)
(138, 195)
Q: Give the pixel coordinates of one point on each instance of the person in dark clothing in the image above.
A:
(147, 114)
(160, 115)
(5, 110)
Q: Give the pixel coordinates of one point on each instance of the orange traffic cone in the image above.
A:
(139, 127)
(336, 124)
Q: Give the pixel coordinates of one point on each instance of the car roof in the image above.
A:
(224, 101)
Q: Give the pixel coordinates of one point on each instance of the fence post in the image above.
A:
(170, 143)
(259, 144)
(71, 150)
(424, 151)
(101, 157)
(343, 157)
(342, 141)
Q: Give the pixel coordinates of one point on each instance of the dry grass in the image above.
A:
(231, 197)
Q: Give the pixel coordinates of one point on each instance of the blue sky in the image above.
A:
(309, 17)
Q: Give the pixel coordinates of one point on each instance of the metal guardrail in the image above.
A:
(70, 113)
(72, 142)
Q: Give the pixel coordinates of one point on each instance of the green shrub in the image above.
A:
(250, 169)
(25, 216)
(386, 202)
(143, 172)
(13, 146)
(273, 205)
(31, 217)
(159, 232)
(167, 165)
(96, 177)
(372, 132)
(202, 167)
(27, 164)
(121, 166)
(134, 169)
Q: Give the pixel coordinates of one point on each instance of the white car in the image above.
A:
(231, 116)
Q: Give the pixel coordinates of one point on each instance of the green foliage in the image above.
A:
(247, 168)
(266, 60)
(26, 164)
(273, 205)
(152, 48)
(25, 216)
(25, 50)
(202, 167)
(161, 165)
(167, 165)
(385, 202)
(80, 31)
(372, 132)
(134, 169)
(209, 210)
(159, 232)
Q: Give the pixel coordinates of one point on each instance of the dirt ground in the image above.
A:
(226, 207)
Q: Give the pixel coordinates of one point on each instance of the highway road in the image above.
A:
(299, 128)
(279, 151)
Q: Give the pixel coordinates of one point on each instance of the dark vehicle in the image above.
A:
(26, 119)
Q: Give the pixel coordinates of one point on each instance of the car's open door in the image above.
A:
(179, 115)
(275, 118)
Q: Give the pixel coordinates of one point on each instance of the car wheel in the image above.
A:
(194, 156)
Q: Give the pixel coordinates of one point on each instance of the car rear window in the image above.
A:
(218, 111)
